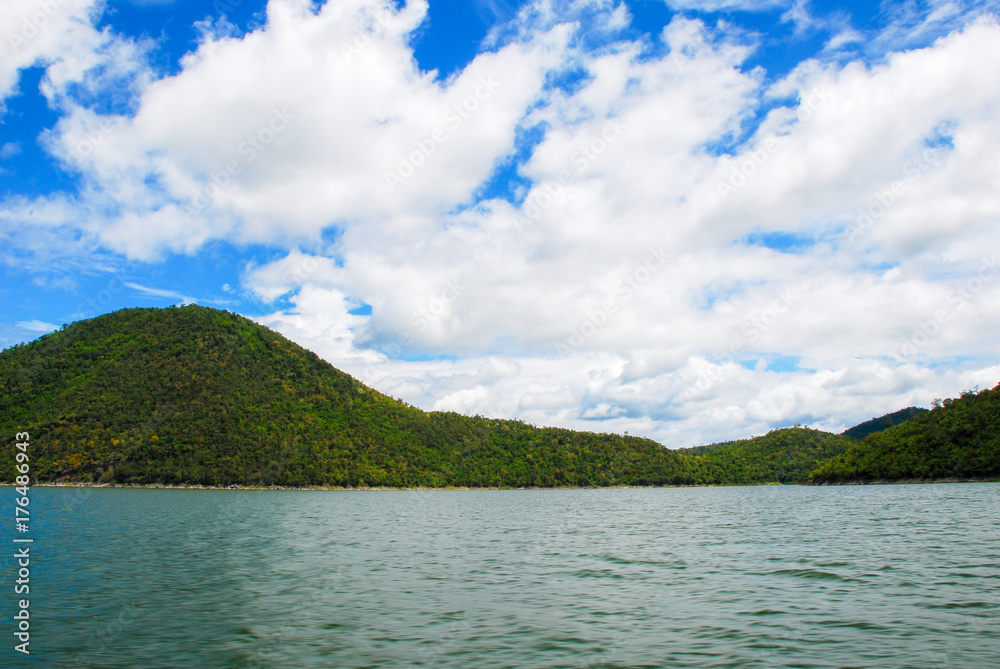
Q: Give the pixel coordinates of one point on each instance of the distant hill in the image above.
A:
(197, 395)
(957, 440)
(788, 455)
(862, 430)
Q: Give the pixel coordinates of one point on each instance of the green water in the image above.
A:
(881, 576)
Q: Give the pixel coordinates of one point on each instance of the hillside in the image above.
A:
(196, 395)
(957, 440)
(193, 395)
(781, 456)
(862, 430)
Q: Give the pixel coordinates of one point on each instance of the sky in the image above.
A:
(689, 220)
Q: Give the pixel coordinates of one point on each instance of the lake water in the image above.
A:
(887, 576)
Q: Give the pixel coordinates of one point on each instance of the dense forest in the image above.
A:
(958, 439)
(196, 395)
(862, 430)
(193, 395)
(781, 456)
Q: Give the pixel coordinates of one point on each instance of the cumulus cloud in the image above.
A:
(691, 251)
(315, 120)
(722, 5)
(46, 31)
(629, 252)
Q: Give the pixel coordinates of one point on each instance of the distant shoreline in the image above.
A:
(194, 486)
(903, 481)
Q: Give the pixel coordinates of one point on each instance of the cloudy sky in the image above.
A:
(692, 220)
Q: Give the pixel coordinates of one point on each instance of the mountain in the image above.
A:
(197, 395)
(959, 439)
(862, 430)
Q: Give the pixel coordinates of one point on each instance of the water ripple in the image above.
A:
(900, 576)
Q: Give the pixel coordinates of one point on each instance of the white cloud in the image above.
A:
(632, 288)
(322, 323)
(726, 5)
(46, 31)
(799, 15)
(37, 326)
(301, 125)
(43, 231)
(667, 356)
(9, 150)
(160, 292)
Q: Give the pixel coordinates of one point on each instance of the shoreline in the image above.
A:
(197, 486)
(949, 479)
(235, 486)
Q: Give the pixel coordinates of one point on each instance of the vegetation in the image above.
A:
(780, 456)
(193, 395)
(881, 423)
(959, 439)
(196, 395)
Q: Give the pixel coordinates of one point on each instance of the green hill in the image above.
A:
(959, 439)
(862, 430)
(781, 456)
(196, 395)
(193, 395)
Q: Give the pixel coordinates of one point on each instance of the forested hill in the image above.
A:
(789, 455)
(197, 395)
(194, 395)
(957, 440)
(862, 430)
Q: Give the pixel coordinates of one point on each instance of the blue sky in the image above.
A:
(692, 220)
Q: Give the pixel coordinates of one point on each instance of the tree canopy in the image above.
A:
(194, 395)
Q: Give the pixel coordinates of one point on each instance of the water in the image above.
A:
(897, 576)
